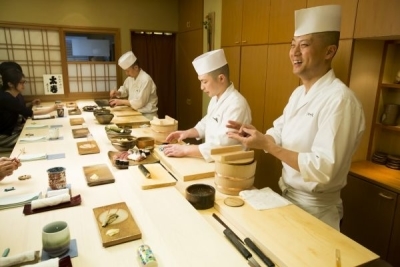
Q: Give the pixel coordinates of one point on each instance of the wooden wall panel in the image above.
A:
(232, 55)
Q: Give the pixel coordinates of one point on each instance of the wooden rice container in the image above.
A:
(230, 179)
(161, 128)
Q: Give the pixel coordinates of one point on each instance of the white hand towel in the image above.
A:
(17, 259)
(50, 201)
(32, 139)
(47, 116)
(263, 199)
(53, 193)
(31, 126)
(49, 263)
(28, 157)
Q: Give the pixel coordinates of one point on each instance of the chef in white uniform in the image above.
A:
(139, 87)
(226, 104)
(321, 125)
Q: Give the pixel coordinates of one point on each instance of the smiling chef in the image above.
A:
(321, 125)
(226, 104)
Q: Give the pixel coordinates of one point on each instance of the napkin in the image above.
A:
(32, 139)
(47, 116)
(29, 157)
(49, 263)
(263, 199)
(17, 259)
(50, 201)
(18, 200)
(33, 126)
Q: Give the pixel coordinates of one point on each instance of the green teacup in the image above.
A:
(56, 238)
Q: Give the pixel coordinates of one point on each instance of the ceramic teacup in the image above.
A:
(54, 133)
(57, 178)
(56, 238)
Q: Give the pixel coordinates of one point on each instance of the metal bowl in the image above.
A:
(104, 118)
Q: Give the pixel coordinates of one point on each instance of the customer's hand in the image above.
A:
(36, 102)
(8, 166)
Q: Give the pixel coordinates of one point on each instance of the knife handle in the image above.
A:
(143, 169)
(259, 253)
(234, 240)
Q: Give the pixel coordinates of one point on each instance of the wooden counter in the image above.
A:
(178, 234)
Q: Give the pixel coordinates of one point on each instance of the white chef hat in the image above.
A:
(126, 60)
(209, 61)
(317, 19)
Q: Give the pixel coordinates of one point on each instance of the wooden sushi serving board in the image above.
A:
(125, 112)
(130, 120)
(88, 147)
(80, 132)
(125, 224)
(98, 174)
(76, 121)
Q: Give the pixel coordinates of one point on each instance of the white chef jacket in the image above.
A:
(142, 94)
(325, 127)
(230, 106)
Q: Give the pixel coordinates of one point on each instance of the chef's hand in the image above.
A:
(238, 127)
(113, 102)
(178, 135)
(251, 138)
(175, 150)
(114, 93)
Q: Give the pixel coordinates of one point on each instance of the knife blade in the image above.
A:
(245, 253)
(259, 253)
(144, 170)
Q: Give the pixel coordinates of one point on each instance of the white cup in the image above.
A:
(54, 133)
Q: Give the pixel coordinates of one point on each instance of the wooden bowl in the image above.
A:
(124, 140)
(104, 118)
(145, 142)
(201, 196)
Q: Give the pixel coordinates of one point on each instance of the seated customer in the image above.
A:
(10, 107)
(226, 104)
(8, 166)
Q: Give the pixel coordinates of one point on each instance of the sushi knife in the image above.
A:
(144, 170)
(245, 253)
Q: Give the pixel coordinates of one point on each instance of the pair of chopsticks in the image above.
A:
(21, 151)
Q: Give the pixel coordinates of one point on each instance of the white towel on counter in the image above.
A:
(36, 117)
(32, 139)
(263, 199)
(33, 126)
(17, 259)
(50, 201)
(48, 263)
(53, 193)
(29, 157)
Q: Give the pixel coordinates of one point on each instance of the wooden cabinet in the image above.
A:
(385, 133)
(394, 248)
(190, 15)
(368, 214)
(232, 55)
(377, 19)
(189, 95)
(281, 25)
(244, 22)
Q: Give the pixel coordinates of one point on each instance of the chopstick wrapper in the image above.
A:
(17, 259)
(49, 263)
(50, 201)
(262, 199)
(29, 157)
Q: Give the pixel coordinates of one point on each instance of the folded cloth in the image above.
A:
(50, 201)
(262, 199)
(32, 126)
(28, 157)
(47, 116)
(17, 259)
(32, 139)
(49, 263)
(53, 193)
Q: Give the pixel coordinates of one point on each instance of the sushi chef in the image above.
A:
(226, 104)
(321, 125)
(139, 87)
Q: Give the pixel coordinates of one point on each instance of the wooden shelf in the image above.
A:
(390, 85)
(390, 128)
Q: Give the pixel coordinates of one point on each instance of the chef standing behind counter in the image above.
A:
(139, 87)
(226, 104)
(321, 125)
